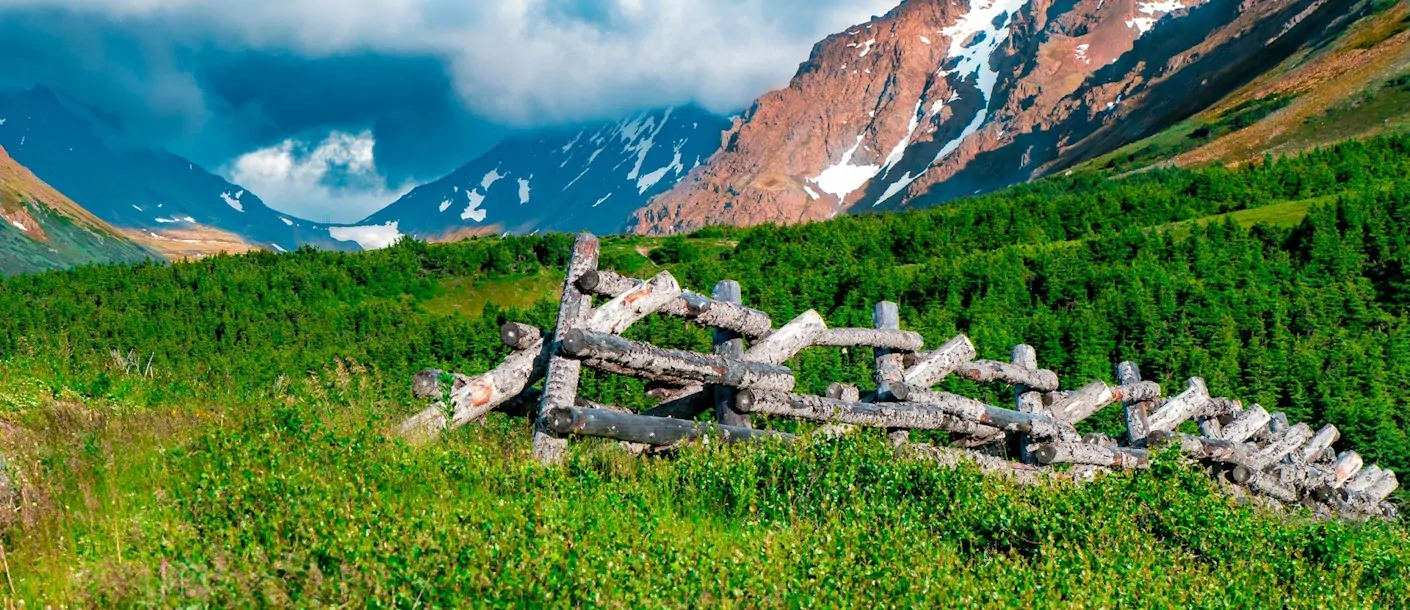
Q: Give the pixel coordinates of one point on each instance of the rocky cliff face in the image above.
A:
(945, 98)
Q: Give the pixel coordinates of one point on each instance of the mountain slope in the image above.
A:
(44, 230)
(591, 178)
(939, 99)
(170, 201)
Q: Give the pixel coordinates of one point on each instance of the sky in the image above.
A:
(330, 109)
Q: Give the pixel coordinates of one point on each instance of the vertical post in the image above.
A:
(890, 367)
(1025, 400)
(560, 387)
(731, 345)
(1136, 412)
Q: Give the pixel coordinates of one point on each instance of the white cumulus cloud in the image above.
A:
(334, 180)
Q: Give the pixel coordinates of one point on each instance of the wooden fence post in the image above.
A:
(560, 388)
(730, 345)
(890, 367)
(1136, 412)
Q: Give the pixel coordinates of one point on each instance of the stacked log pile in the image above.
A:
(1252, 452)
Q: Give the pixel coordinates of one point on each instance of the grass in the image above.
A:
(468, 296)
(1286, 214)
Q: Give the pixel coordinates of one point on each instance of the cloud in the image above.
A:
(335, 180)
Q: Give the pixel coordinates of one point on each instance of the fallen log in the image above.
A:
(890, 339)
(1200, 448)
(1093, 455)
(1282, 445)
(927, 369)
(843, 392)
(728, 344)
(649, 430)
(1136, 412)
(1246, 425)
(907, 416)
(1346, 466)
(702, 310)
(427, 384)
(651, 362)
(1096, 396)
(969, 409)
(785, 343)
(631, 306)
(1181, 408)
(519, 336)
(1041, 380)
(689, 406)
(1023, 474)
(1364, 479)
(1309, 453)
(560, 388)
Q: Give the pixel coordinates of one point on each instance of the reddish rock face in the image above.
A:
(945, 98)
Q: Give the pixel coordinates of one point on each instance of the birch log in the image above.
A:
(1041, 380)
(1181, 408)
(1246, 425)
(1136, 411)
(971, 410)
(651, 361)
(843, 392)
(889, 339)
(729, 344)
(1094, 455)
(909, 416)
(472, 397)
(561, 384)
(648, 430)
(631, 306)
(785, 343)
(1322, 441)
(931, 368)
(1346, 466)
(1025, 400)
(1282, 445)
(1214, 450)
(703, 310)
(1097, 395)
(890, 367)
(1364, 479)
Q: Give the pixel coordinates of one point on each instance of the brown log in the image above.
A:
(561, 383)
(519, 336)
(1314, 448)
(1214, 450)
(1246, 425)
(890, 365)
(729, 344)
(890, 339)
(1095, 396)
(702, 310)
(649, 430)
(1041, 380)
(930, 368)
(1281, 446)
(1179, 409)
(843, 392)
(1094, 455)
(1136, 411)
(909, 416)
(427, 384)
(651, 362)
(968, 409)
(783, 344)
(628, 308)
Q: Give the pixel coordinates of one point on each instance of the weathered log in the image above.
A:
(1025, 400)
(1314, 448)
(843, 392)
(729, 344)
(1347, 465)
(1023, 474)
(1246, 425)
(1364, 479)
(561, 383)
(1101, 440)
(703, 310)
(1097, 395)
(909, 416)
(890, 367)
(1094, 455)
(649, 430)
(971, 410)
(424, 426)
(1041, 380)
(1181, 408)
(651, 361)
(1384, 484)
(666, 385)
(689, 406)
(472, 397)
(1200, 448)
(1209, 427)
(890, 339)
(785, 343)
(631, 306)
(1136, 411)
(1279, 422)
(930, 368)
(1282, 445)
(427, 384)
(519, 336)
(1270, 484)
(1221, 407)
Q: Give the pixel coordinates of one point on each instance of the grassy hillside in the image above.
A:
(214, 432)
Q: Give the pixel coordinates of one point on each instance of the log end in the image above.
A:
(835, 391)
(1241, 475)
(516, 335)
(744, 401)
(893, 390)
(573, 343)
(589, 281)
(1159, 438)
(1045, 454)
(559, 420)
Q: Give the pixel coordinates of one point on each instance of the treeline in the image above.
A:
(1311, 320)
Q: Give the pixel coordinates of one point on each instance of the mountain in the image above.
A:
(44, 230)
(170, 203)
(592, 177)
(943, 98)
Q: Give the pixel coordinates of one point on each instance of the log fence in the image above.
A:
(1252, 452)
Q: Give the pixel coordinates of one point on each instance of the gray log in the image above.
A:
(1095, 396)
(844, 392)
(1023, 474)
(651, 361)
(668, 387)
(703, 310)
(1282, 445)
(785, 343)
(1384, 484)
(1314, 448)
(519, 336)
(1041, 380)
(968, 409)
(1094, 455)
(890, 367)
(1279, 422)
(931, 368)
(1136, 411)
(424, 426)
(561, 383)
(473, 397)
(890, 339)
(649, 430)
(689, 406)
(1026, 400)
(1347, 465)
(729, 344)
(1364, 479)
(1222, 407)
(1246, 425)
(427, 384)
(1210, 427)
(1214, 450)
(1270, 484)
(909, 416)
(1181, 408)
(631, 306)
